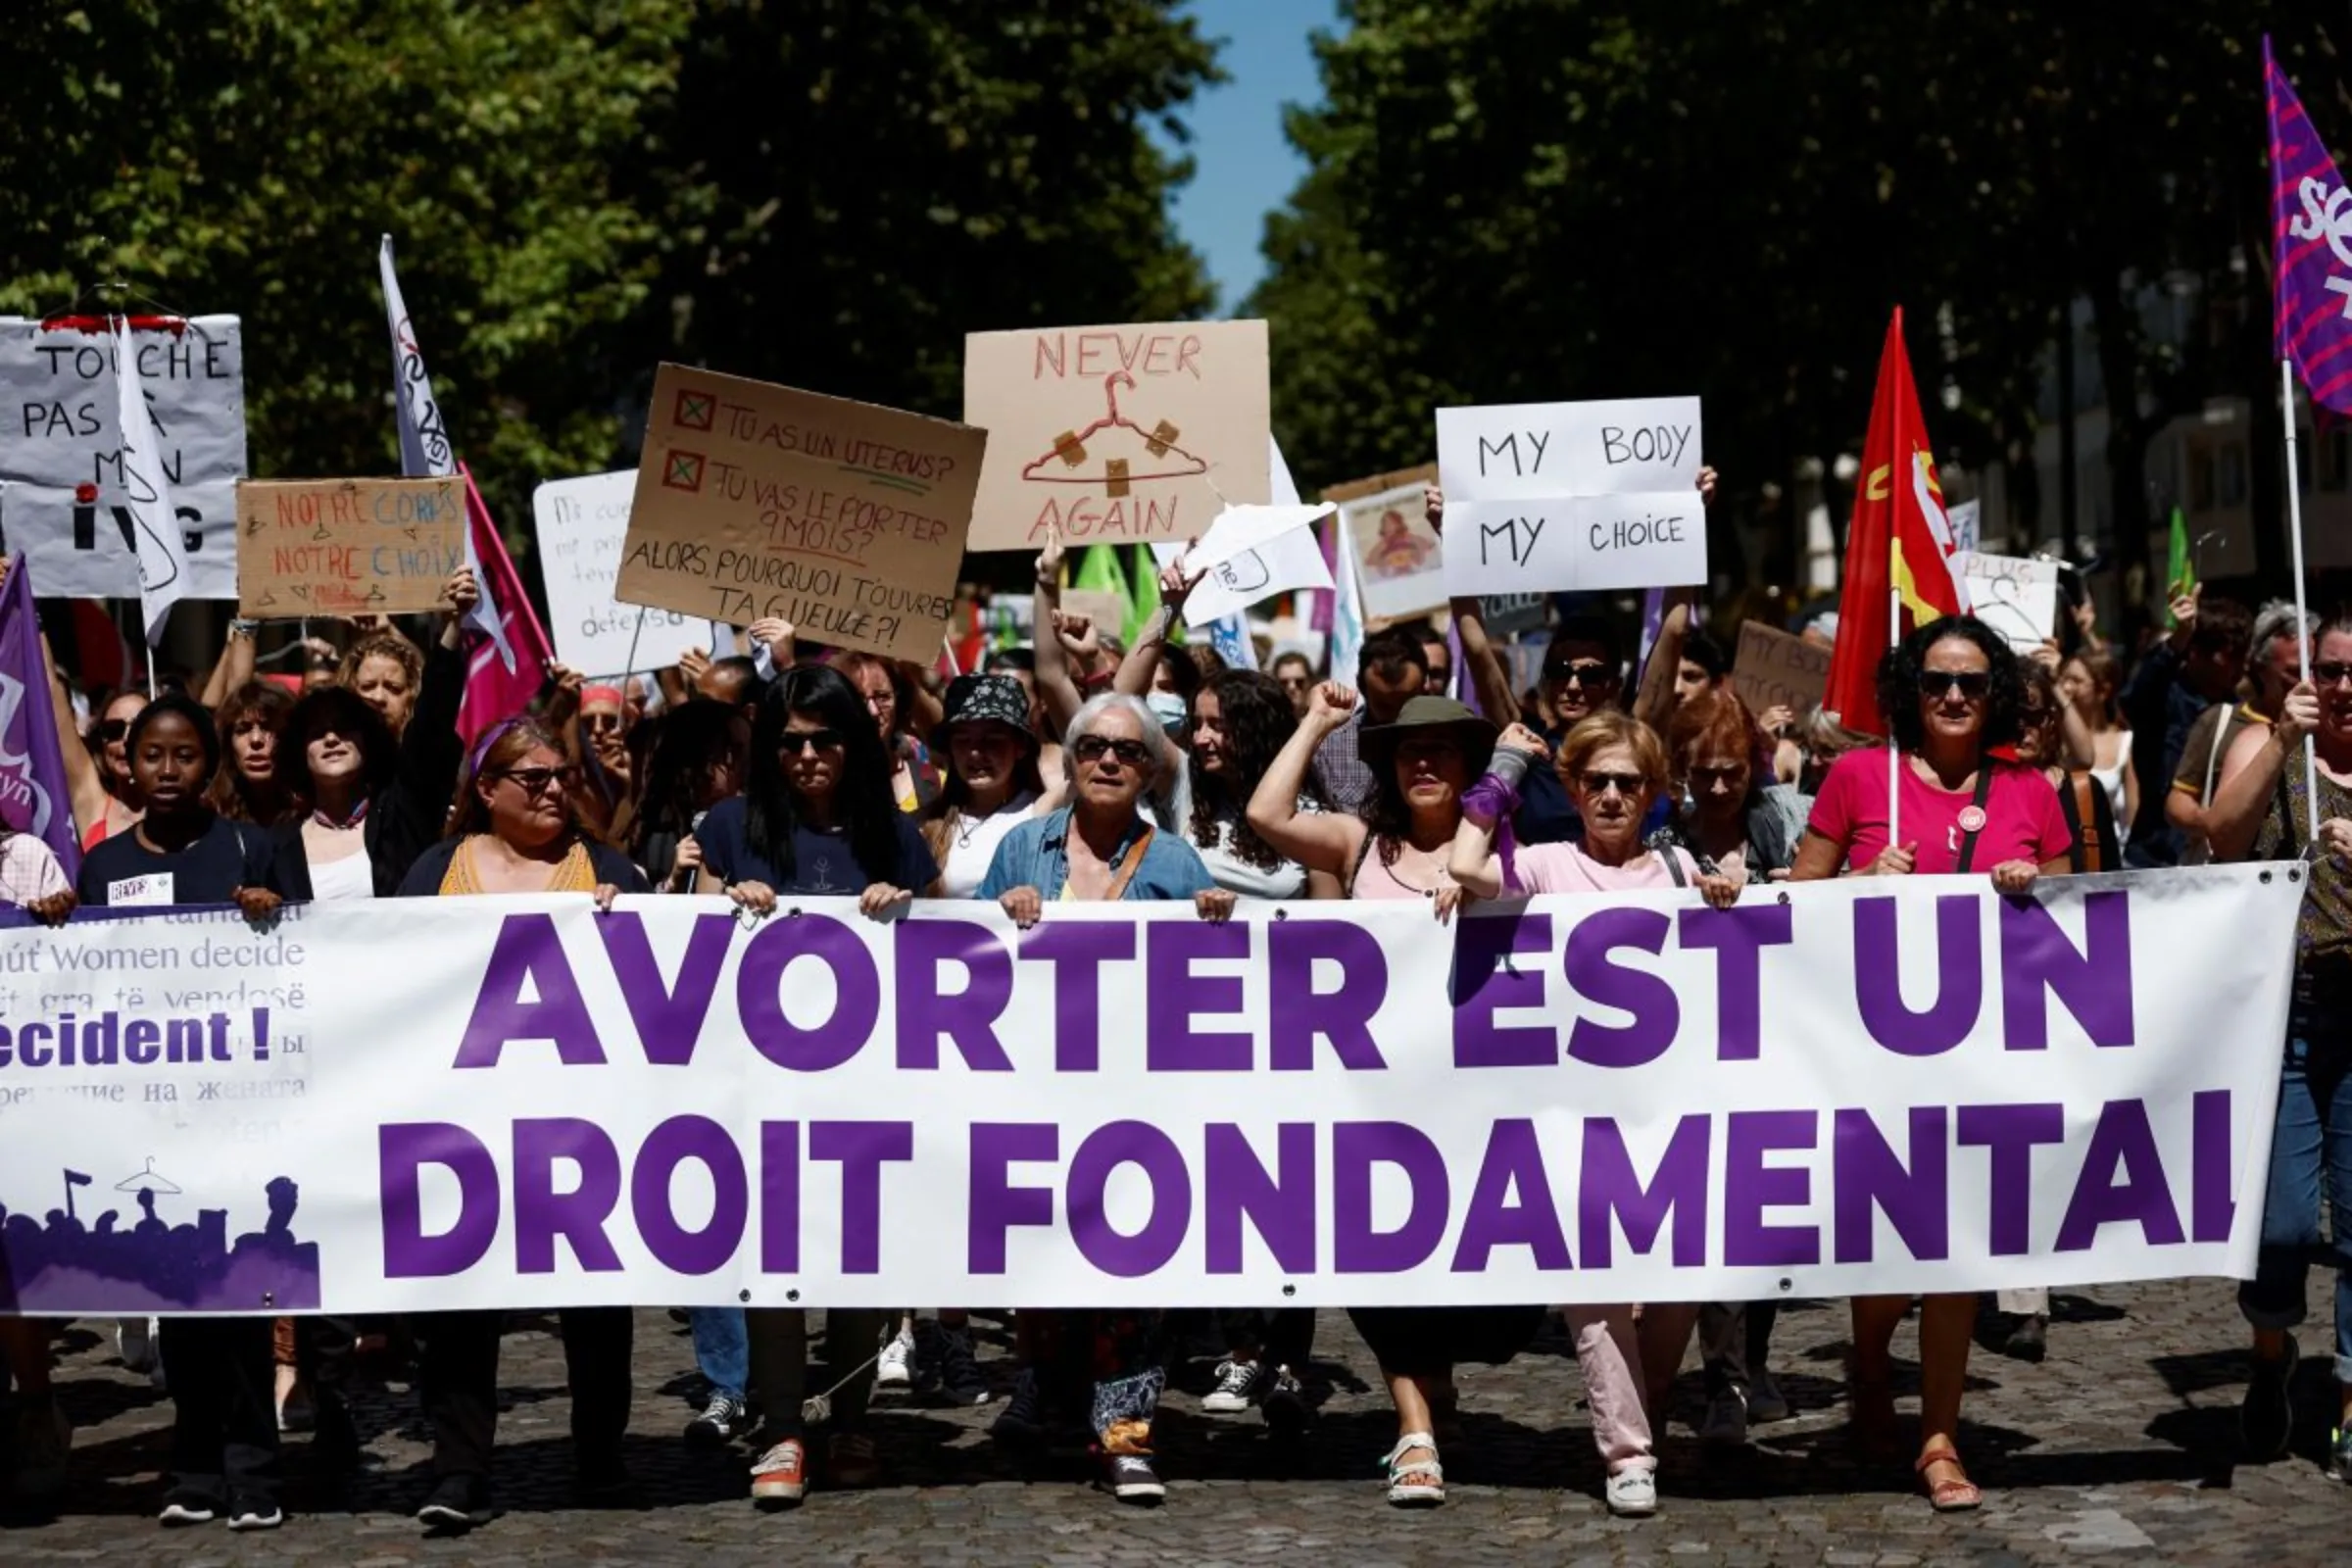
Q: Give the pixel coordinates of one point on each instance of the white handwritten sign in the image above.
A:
(2016, 596)
(1545, 496)
(581, 523)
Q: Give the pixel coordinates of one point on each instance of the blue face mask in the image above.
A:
(1168, 709)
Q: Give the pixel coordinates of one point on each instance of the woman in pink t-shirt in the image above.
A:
(1614, 768)
(1951, 693)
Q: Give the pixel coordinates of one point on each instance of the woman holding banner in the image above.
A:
(1953, 693)
(1420, 764)
(818, 816)
(2264, 808)
(1614, 769)
(514, 833)
(1098, 849)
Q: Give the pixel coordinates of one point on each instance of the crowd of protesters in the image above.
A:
(1083, 769)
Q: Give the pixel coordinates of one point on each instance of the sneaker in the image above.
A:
(1133, 1480)
(1725, 1425)
(780, 1476)
(2340, 1454)
(1284, 1404)
(189, 1505)
(1236, 1382)
(1023, 1418)
(959, 1369)
(457, 1504)
(894, 1367)
(1766, 1404)
(44, 1437)
(254, 1513)
(851, 1463)
(724, 1419)
(2266, 1417)
(1633, 1493)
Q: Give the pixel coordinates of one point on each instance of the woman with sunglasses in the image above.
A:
(2263, 812)
(1614, 769)
(1097, 847)
(1420, 763)
(98, 772)
(251, 787)
(515, 832)
(1952, 693)
(180, 852)
(816, 818)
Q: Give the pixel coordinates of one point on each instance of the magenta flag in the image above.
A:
(2311, 235)
(34, 795)
(493, 692)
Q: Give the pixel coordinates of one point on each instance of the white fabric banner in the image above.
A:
(1850, 1086)
(63, 498)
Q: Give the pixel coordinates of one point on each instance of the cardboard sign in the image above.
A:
(581, 525)
(844, 518)
(346, 547)
(1574, 495)
(1400, 563)
(1773, 670)
(2014, 595)
(1117, 434)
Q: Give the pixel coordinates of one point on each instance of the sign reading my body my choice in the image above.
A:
(1544, 496)
(758, 501)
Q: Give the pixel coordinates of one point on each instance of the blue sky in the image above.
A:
(1246, 166)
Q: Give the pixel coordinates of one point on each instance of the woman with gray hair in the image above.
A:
(1106, 1367)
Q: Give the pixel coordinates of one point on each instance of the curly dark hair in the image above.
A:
(864, 803)
(232, 794)
(1256, 714)
(695, 740)
(1389, 815)
(1902, 665)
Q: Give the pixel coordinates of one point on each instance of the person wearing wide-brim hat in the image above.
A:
(988, 754)
(1423, 761)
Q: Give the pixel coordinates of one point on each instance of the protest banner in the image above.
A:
(581, 525)
(1831, 1089)
(1117, 434)
(1771, 669)
(2016, 596)
(1508, 615)
(756, 501)
(61, 496)
(1399, 564)
(1577, 496)
(347, 547)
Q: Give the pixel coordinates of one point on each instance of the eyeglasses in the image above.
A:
(601, 723)
(795, 742)
(1628, 785)
(2331, 674)
(1092, 747)
(1972, 684)
(536, 780)
(113, 731)
(1704, 776)
(1585, 675)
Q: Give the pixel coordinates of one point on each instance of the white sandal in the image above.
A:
(1421, 1483)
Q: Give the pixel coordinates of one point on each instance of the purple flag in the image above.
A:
(2311, 235)
(34, 798)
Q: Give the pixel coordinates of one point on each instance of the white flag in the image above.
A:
(155, 525)
(424, 449)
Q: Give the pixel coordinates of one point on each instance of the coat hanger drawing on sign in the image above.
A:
(1161, 458)
(148, 1181)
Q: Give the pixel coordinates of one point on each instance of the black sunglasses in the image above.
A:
(1092, 747)
(824, 740)
(536, 780)
(2329, 674)
(1585, 675)
(113, 730)
(1972, 684)
(1629, 785)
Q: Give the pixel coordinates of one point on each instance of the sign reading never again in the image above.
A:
(755, 500)
(62, 500)
(1572, 496)
(347, 547)
(1137, 435)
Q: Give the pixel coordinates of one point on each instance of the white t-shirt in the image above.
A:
(1287, 880)
(351, 877)
(972, 845)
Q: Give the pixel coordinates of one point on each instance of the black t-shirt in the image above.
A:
(822, 863)
(226, 856)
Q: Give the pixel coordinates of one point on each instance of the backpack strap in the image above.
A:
(2084, 810)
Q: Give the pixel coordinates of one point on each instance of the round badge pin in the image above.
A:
(1972, 819)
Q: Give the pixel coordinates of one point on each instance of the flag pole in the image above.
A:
(2294, 515)
(1895, 638)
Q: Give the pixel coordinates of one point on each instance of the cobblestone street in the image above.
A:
(2118, 1447)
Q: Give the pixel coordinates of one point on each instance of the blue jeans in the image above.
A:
(2311, 1144)
(723, 1353)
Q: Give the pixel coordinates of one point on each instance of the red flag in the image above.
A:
(493, 692)
(1900, 531)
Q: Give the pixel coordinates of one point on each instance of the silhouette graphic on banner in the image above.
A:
(59, 1263)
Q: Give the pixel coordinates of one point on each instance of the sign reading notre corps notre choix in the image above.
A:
(346, 547)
